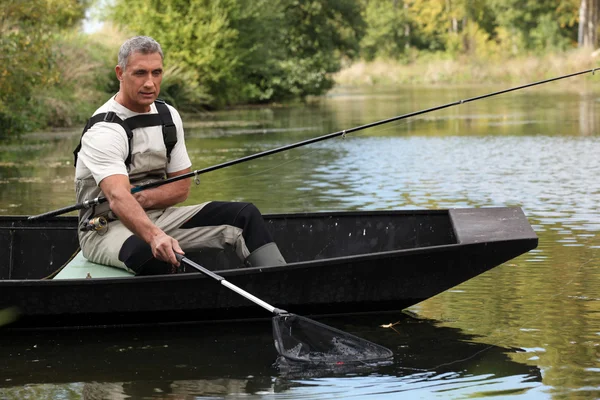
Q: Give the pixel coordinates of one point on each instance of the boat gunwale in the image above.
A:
(295, 215)
(232, 273)
(246, 270)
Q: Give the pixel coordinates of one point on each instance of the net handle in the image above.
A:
(229, 285)
(278, 312)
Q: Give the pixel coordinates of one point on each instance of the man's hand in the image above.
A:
(164, 248)
(118, 192)
(142, 199)
(166, 195)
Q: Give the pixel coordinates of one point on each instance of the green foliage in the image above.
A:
(313, 37)
(387, 33)
(28, 61)
(196, 37)
(249, 51)
(547, 35)
(180, 89)
(81, 64)
(542, 24)
(479, 28)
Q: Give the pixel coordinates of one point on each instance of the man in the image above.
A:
(123, 146)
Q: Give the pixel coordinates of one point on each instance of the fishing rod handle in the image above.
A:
(64, 210)
(102, 199)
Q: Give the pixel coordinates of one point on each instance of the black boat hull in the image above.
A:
(339, 263)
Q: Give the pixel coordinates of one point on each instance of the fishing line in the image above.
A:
(379, 129)
(394, 125)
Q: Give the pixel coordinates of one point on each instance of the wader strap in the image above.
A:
(139, 121)
(105, 117)
(169, 128)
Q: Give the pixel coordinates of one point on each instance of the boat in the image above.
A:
(338, 263)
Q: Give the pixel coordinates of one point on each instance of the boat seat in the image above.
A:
(81, 268)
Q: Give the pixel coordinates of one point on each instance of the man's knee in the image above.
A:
(217, 213)
(137, 256)
(244, 216)
(248, 214)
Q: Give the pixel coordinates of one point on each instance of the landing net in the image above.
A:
(302, 340)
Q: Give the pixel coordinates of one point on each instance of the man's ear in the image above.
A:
(119, 72)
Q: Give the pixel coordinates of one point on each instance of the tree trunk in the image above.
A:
(453, 23)
(406, 26)
(588, 23)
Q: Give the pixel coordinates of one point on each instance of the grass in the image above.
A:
(434, 71)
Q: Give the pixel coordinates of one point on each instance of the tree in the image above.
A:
(388, 29)
(535, 25)
(244, 50)
(26, 53)
(588, 23)
(316, 36)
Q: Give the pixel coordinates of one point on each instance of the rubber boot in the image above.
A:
(267, 255)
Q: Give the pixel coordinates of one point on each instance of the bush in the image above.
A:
(27, 43)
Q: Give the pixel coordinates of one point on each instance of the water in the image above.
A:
(527, 329)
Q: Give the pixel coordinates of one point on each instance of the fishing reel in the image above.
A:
(95, 224)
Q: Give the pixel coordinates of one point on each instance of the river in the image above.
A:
(529, 328)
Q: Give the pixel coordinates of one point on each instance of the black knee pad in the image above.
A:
(255, 231)
(137, 256)
(248, 216)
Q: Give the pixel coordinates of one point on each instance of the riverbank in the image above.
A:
(438, 71)
(85, 88)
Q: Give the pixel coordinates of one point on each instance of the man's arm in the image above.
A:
(117, 190)
(165, 195)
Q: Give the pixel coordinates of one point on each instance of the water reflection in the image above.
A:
(236, 359)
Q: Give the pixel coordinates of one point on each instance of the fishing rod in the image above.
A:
(100, 200)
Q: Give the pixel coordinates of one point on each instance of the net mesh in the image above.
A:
(302, 340)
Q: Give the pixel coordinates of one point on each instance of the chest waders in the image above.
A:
(88, 219)
(139, 121)
(212, 224)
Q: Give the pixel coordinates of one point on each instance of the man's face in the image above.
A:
(140, 82)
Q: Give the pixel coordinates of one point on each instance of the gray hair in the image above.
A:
(138, 44)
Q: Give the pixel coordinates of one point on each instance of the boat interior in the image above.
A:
(37, 249)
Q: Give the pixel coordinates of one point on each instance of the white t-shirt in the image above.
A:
(104, 147)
